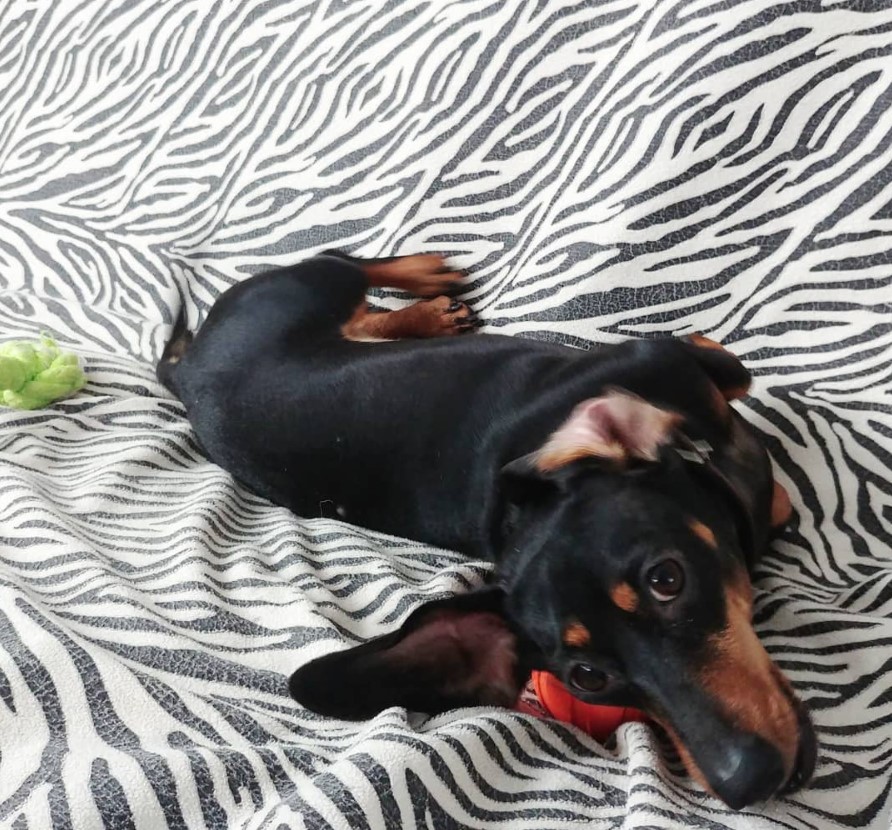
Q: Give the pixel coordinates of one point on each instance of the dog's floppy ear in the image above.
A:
(449, 653)
(616, 428)
(724, 369)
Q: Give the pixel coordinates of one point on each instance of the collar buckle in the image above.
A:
(697, 452)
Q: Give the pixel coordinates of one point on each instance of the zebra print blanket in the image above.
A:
(605, 169)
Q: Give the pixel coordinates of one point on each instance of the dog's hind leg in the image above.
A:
(426, 275)
(439, 317)
(422, 274)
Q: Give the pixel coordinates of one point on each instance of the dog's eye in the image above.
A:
(586, 678)
(665, 580)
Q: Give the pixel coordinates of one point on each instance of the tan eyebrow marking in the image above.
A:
(702, 532)
(624, 597)
(576, 634)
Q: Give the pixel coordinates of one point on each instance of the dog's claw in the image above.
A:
(454, 315)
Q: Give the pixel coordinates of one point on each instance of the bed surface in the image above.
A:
(605, 170)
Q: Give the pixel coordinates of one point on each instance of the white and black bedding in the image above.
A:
(605, 170)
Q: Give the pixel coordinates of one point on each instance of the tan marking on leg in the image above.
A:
(431, 318)
(423, 274)
(365, 326)
(703, 532)
(624, 597)
(781, 508)
(576, 634)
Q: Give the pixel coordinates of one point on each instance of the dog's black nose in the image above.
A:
(749, 770)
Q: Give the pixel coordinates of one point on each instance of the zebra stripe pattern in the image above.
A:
(605, 170)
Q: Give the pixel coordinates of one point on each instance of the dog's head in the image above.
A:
(623, 573)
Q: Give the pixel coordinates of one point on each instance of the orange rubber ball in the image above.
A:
(598, 721)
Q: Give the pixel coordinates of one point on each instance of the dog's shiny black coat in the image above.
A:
(435, 440)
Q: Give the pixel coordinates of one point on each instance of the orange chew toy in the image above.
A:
(598, 721)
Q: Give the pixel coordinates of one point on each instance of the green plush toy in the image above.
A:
(33, 375)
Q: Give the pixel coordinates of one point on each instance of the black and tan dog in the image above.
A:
(620, 497)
